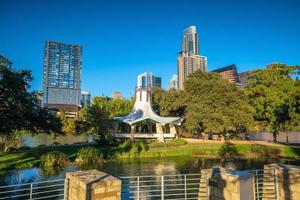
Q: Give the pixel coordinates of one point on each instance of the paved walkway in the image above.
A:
(201, 141)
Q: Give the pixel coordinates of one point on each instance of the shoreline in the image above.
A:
(242, 149)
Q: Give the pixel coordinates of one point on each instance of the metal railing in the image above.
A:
(165, 187)
(53, 189)
(265, 184)
(181, 186)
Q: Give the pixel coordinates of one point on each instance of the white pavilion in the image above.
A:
(142, 115)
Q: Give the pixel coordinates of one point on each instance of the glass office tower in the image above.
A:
(61, 77)
(147, 79)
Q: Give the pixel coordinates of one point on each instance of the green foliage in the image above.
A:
(53, 161)
(276, 98)
(19, 109)
(113, 108)
(228, 151)
(215, 105)
(261, 151)
(170, 143)
(168, 103)
(89, 155)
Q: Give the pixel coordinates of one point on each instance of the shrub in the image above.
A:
(53, 161)
(89, 155)
(228, 151)
(265, 152)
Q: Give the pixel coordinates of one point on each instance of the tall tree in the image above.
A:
(19, 109)
(215, 105)
(275, 96)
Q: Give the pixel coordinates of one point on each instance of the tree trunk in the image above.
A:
(274, 137)
(287, 137)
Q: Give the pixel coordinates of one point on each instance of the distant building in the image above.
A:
(156, 82)
(189, 60)
(243, 79)
(39, 97)
(147, 79)
(85, 99)
(229, 73)
(173, 83)
(117, 95)
(62, 76)
(4, 61)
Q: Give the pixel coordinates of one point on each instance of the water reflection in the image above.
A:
(164, 166)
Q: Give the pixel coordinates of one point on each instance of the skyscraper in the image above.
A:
(190, 40)
(173, 83)
(189, 59)
(147, 79)
(61, 77)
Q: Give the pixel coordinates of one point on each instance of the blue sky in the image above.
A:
(121, 39)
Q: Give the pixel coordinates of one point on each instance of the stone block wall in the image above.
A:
(288, 181)
(93, 185)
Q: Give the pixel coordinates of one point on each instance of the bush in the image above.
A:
(228, 151)
(264, 151)
(89, 155)
(53, 161)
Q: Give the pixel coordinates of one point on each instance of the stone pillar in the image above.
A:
(173, 129)
(92, 185)
(132, 132)
(231, 185)
(288, 180)
(159, 132)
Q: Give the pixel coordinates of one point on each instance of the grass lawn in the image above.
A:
(31, 157)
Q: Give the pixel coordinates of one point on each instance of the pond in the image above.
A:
(153, 166)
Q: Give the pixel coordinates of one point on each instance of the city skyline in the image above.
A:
(253, 24)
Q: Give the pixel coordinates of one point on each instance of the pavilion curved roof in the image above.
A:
(142, 110)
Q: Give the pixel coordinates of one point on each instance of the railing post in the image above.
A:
(276, 184)
(207, 185)
(66, 189)
(162, 188)
(30, 195)
(256, 185)
(138, 188)
(185, 195)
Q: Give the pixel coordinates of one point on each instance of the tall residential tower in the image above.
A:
(61, 77)
(189, 59)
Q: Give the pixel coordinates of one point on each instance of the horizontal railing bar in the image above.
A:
(171, 175)
(48, 186)
(49, 191)
(21, 184)
(54, 180)
(21, 195)
(49, 196)
(17, 190)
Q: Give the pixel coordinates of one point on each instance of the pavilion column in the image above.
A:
(159, 132)
(132, 132)
(172, 129)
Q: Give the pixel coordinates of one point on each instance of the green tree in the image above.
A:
(98, 119)
(275, 96)
(215, 105)
(168, 103)
(19, 109)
